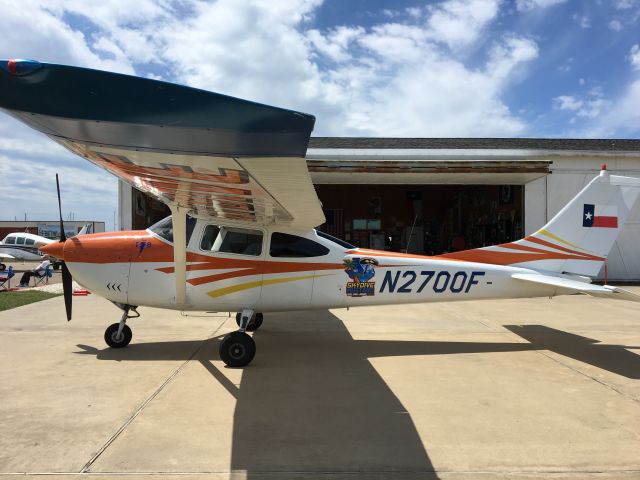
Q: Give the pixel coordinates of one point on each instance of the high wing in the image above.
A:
(214, 155)
(604, 291)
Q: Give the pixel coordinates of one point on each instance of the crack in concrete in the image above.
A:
(140, 409)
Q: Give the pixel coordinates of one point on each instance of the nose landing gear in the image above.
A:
(254, 323)
(237, 349)
(118, 335)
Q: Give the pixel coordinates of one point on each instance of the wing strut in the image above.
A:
(179, 220)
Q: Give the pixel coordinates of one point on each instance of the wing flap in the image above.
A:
(603, 291)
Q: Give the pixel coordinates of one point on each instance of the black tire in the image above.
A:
(110, 336)
(254, 323)
(3, 267)
(237, 349)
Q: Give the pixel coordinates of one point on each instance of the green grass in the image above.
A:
(9, 300)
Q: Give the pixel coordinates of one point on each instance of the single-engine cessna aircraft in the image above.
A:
(241, 233)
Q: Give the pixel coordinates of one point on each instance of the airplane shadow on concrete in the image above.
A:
(314, 403)
(612, 358)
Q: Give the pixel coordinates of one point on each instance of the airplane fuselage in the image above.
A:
(263, 272)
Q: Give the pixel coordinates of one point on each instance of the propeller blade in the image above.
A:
(67, 280)
(67, 289)
(63, 237)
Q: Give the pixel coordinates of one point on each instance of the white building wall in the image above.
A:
(569, 176)
(535, 205)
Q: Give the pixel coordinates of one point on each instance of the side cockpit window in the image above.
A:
(20, 241)
(240, 241)
(10, 240)
(292, 246)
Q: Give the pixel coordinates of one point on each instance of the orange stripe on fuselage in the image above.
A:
(265, 268)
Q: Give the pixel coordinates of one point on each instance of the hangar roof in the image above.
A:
(574, 144)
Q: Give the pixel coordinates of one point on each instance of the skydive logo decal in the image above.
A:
(360, 271)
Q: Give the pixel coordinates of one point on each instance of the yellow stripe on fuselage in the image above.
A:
(246, 286)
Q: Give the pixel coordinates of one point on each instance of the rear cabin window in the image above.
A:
(30, 241)
(342, 243)
(20, 241)
(240, 241)
(10, 240)
(292, 246)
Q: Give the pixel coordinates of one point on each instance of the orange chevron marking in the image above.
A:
(564, 249)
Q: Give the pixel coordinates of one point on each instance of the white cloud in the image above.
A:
(566, 67)
(592, 106)
(567, 102)
(615, 25)
(525, 5)
(33, 29)
(583, 20)
(634, 57)
(622, 117)
(459, 22)
(623, 4)
(336, 43)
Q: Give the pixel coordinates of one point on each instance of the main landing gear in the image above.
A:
(119, 335)
(237, 349)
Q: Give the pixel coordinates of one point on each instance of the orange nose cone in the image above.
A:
(55, 249)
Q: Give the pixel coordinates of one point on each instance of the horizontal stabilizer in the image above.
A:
(604, 291)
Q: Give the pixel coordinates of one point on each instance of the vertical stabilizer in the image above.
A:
(578, 239)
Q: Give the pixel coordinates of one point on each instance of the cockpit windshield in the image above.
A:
(164, 228)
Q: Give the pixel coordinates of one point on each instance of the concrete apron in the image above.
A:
(492, 389)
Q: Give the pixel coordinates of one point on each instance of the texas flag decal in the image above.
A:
(605, 216)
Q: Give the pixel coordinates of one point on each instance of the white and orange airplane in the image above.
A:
(241, 236)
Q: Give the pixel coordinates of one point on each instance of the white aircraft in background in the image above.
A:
(22, 246)
(241, 236)
(26, 246)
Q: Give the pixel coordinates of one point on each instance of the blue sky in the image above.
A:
(453, 68)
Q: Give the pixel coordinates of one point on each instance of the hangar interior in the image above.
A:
(427, 219)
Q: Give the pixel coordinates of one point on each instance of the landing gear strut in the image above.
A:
(237, 349)
(254, 323)
(118, 335)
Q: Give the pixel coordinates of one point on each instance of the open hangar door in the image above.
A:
(423, 219)
(425, 207)
(146, 210)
